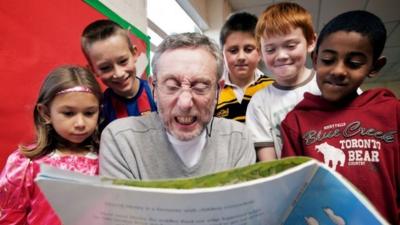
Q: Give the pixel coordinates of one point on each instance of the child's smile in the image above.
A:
(343, 61)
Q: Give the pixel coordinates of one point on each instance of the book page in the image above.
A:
(257, 202)
(330, 199)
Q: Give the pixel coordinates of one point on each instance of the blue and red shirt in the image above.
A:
(115, 106)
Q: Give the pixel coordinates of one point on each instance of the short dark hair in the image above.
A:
(241, 21)
(100, 30)
(360, 21)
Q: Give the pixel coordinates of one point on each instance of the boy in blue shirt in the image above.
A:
(112, 57)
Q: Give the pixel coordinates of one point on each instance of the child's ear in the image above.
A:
(378, 64)
(259, 55)
(44, 113)
(91, 69)
(221, 84)
(311, 45)
(134, 50)
(314, 58)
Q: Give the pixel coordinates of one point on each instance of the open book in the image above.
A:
(295, 190)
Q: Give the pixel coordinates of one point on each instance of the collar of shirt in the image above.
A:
(239, 92)
(189, 151)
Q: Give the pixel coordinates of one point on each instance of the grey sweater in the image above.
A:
(138, 148)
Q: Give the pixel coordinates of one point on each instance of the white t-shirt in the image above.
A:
(189, 151)
(269, 106)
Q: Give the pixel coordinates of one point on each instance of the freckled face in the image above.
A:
(186, 91)
(343, 61)
(285, 56)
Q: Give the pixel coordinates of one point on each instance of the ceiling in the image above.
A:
(324, 10)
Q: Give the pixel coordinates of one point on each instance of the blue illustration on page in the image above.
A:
(327, 201)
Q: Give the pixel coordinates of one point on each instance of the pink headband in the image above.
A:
(75, 89)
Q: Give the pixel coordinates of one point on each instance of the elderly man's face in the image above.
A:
(186, 90)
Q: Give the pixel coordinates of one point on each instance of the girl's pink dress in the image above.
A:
(21, 201)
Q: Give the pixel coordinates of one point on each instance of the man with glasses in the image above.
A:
(182, 139)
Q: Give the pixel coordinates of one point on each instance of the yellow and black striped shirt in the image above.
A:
(228, 105)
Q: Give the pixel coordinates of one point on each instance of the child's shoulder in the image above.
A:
(145, 84)
(382, 92)
(17, 158)
(16, 168)
(264, 79)
(377, 96)
(266, 93)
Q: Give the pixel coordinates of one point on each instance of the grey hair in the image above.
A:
(188, 40)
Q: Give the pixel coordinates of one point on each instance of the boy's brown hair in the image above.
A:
(100, 30)
(238, 22)
(279, 18)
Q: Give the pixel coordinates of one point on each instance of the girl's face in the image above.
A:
(74, 115)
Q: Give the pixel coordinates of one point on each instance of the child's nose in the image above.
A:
(281, 54)
(79, 121)
(119, 71)
(241, 54)
(339, 69)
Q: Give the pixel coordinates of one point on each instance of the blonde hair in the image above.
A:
(280, 18)
(60, 79)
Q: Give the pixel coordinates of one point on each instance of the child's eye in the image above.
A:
(68, 113)
(291, 45)
(249, 49)
(105, 69)
(90, 113)
(354, 64)
(233, 50)
(327, 61)
(123, 61)
(355, 61)
(269, 50)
